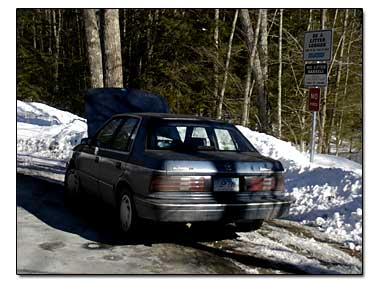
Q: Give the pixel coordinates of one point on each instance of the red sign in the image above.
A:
(314, 95)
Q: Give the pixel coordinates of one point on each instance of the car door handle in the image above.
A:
(118, 165)
(96, 159)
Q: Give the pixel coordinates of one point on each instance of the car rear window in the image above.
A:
(195, 136)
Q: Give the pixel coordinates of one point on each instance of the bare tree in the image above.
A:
(264, 42)
(280, 74)
(324, 98)
(305, 94)
(340, 67)
(57, 34)
(112, 49)
(93, 48)
(344, 95)
(226, 71)
(216, 61)
(256, 67)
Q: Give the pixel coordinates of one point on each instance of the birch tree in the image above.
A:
(227, 64)
(57, 34)
(256, 68)
(324, 99)
(93, 48)
(344, 95)
(340, 67)
(280, 74)
(215, 64)
(264, 43)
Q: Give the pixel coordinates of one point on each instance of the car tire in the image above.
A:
(248, 226)
(128, 219)
(72, 190)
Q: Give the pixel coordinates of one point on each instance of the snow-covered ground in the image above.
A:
(328, 192)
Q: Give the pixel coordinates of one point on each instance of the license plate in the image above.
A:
(226, 184)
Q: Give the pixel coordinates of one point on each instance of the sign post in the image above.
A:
(314, 104)
(312, 134)
(317, 47)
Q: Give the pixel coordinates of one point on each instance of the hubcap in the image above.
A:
(125, 213)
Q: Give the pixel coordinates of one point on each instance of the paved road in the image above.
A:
(52, 238)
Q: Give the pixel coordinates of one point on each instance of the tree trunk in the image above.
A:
(252, 53)
(226, 71)
(305, 94)
(149, 36)
(264, 43)
(34, 30)
(216, 62)
(112, 49)
(50, 28)
(93, 48)
(256, 67)
(57, 32)
(280, 75)
(321, 146)
(327, 131)
(338, 135)
(340, 67)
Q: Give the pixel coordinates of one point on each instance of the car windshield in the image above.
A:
(196, 136)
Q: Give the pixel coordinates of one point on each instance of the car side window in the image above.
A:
(125, 136)
(200, 132)
(224, 139)
(105, 136)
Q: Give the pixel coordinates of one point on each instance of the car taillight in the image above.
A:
(280, 182)
(257, 183)
(180, 183)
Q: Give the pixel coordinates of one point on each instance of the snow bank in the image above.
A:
(328, 192)
(270, 146)
(44, 131)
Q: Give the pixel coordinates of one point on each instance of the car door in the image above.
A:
(89, 160)
(113, 159)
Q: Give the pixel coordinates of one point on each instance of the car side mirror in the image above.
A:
(86, 141)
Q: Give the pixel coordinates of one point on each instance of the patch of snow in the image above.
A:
(330, 161)
(307, 254)
(270, 146)
(44, 131)
(328, 192)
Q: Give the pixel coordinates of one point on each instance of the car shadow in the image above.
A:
(97, 223)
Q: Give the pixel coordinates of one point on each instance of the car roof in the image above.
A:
(171, 116)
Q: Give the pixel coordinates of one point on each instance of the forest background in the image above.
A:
(240, 65)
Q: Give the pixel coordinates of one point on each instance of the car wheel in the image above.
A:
(72, 187)
(127, 213)
(248, 226)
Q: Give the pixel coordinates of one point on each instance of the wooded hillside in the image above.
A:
(241, 65)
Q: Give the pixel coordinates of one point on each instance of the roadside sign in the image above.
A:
(315, 75)
(314, 98)
(317, 45)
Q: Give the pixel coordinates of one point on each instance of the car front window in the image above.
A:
(105, 135)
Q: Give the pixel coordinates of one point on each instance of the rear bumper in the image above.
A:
(166, 210)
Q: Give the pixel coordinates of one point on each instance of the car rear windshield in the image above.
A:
(195, 136)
